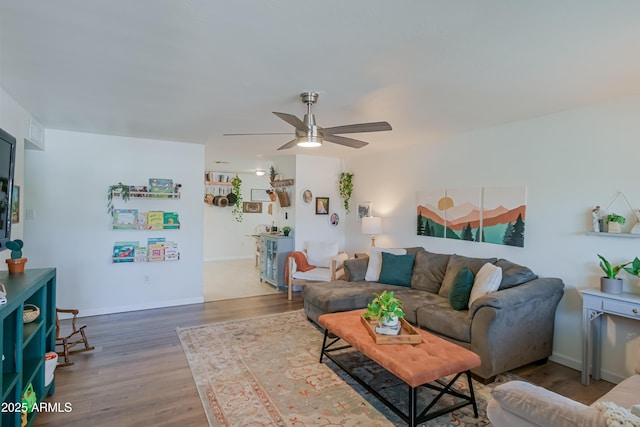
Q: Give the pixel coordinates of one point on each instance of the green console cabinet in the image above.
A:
(24, 344)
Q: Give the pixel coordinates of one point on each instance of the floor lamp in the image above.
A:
(371, 225)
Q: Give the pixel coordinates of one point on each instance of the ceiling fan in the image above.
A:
(308, 134)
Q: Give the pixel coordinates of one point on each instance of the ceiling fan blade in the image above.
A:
(293, 121)
(254, 134)
(357, 128)
(349, 142)
(289, 144)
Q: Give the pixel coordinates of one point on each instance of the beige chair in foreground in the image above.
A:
(521, 404)
(320, 262)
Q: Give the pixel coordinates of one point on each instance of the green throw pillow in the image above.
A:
(396, 269)
(461, 289)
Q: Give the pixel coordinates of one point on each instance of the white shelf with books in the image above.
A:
(158, 249)
(133, 219)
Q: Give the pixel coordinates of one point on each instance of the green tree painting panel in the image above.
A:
(504, 215)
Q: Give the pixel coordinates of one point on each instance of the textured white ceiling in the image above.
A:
(191, 70)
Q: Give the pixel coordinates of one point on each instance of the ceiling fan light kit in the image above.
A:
(308, 134)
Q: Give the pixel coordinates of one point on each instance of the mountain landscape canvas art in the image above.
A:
(492, 215)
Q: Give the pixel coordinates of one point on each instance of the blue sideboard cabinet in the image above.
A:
(273, 256)
(24, 344)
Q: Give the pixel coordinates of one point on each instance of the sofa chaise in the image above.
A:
(508, 328)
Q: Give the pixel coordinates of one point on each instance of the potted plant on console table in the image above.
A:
(611, 284)
(16, 262)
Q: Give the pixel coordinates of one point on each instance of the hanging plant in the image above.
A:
(125, 193)
(237, 206)
(346, 188)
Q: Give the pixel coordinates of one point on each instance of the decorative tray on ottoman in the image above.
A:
(408, 334)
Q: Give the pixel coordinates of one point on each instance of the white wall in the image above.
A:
(320, 175)
(570, 162)
(70, 228)
(224, 237)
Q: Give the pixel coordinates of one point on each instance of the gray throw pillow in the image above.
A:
(355, 269)
(514, 274)
(456, 262)
(428, 271)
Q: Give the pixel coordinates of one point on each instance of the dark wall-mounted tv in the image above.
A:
(7, 168)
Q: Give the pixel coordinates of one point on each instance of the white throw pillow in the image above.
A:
(487, 280)
(375, 261)
(320, 253)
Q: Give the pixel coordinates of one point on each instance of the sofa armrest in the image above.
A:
(543, 407)
(337, 265)
(535, 289)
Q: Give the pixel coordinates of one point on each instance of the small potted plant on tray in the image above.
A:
(385, 308)
(16, 263)
(610, 283)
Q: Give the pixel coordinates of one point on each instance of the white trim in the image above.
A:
(135, 307)
(577, 365)
(231, 258)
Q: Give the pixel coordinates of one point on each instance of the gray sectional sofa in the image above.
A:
(508, 328)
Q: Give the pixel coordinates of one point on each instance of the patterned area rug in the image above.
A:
(265, 371)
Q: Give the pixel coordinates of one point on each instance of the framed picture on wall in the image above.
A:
(252, 207)
(322, 206)
(334, 219)
(15, 205)
(259, 195)
(364, 209)
(306, 196)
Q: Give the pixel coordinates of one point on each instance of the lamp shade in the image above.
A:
(371, 225)
(309, 141)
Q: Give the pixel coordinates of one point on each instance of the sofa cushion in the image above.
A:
(439, 317)
(375, 261)
(487, 280)
(461, 290)
(355, 269)
(396, 269)
(343, 296)
(428, 271)
(513, 274)
(456, 262)
(320, 253)
(540, 407)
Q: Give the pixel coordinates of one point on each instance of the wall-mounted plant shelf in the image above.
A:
(605, 234)
(282, 183)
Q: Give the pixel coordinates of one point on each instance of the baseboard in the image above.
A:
(577, 365)
(230, 258)
(135, 307)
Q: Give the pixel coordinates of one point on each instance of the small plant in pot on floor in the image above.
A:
(610, 283)
(16, 262)
(386, 308)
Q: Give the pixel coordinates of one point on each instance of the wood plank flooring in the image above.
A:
(138, 374)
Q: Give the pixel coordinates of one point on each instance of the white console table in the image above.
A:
(594, 305)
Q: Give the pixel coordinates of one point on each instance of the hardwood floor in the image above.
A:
(138, 374)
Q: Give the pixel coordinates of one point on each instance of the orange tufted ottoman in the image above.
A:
(418, 365)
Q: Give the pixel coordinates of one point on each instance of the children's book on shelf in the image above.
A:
(171, 251)
(160, 185)
(155, 220)
(171, 220)
(142, 221)
(155, 251)
(124, 218)
(140, 254)
(124, 251)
